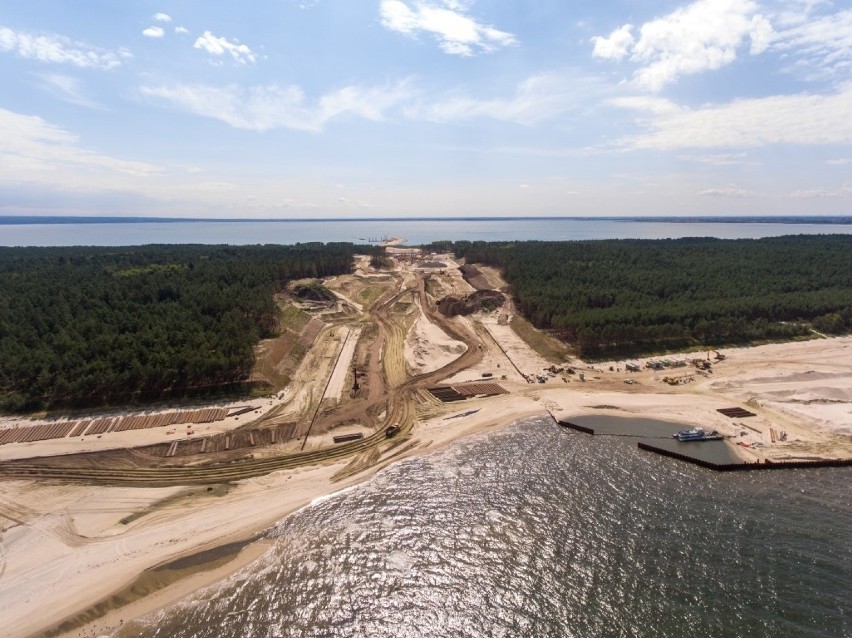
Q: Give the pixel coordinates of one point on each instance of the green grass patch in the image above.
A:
(293, 318)
(550, 348)
(369, 295)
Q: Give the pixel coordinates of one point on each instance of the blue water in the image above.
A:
(541, 531)
(415, 231)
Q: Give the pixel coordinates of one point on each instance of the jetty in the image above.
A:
(655, 436)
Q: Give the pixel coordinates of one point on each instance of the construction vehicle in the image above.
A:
(701, 364)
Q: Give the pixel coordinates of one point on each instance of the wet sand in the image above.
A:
(161, 587)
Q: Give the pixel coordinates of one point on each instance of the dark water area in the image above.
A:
(658, 433)
(537, 530)
(715, 452)
(416, 231)
(606, 424)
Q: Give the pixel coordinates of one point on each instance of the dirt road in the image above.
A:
(391, 401)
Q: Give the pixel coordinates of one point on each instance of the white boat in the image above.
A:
(697, 434)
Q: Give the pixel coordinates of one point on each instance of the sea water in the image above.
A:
(536, 530)
(365, 231)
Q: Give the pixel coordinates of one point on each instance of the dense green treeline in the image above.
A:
(91, 326)
(618, 297)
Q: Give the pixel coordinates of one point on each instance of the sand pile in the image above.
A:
(428, 348)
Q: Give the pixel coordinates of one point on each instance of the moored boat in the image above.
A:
(697, 434)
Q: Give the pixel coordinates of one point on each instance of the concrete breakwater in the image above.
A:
(743, 466)
(656, 436)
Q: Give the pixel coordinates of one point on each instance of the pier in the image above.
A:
(743, 466)
(656, 436)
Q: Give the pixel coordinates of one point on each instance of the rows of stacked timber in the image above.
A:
(226, 442)
(102, 425)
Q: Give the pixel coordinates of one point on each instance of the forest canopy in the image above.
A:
(90, 326)
(624, 297)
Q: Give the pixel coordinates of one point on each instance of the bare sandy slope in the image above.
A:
(341, 368)
(808, 382)
(67, 548)
(526, 360)
(428, 347)
(290, 403)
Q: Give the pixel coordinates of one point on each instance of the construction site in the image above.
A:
(377, 366)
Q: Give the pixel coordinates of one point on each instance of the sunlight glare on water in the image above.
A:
(540, 531)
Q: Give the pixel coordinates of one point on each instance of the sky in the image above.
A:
(401, 108)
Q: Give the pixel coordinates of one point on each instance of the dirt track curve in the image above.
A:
(397, 398)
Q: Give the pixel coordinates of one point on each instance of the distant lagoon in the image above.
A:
(135, 232)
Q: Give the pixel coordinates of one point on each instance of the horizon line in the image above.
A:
(114, 219)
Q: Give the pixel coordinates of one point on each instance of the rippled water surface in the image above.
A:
(539, 531)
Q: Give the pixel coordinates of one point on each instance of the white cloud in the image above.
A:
(718, 159)
(181, 30)
(153, 32)
(784, 119)
(35, 151)
(537, 98)
(518, 151)
(727, 191)
(656, 105)
(822, 45)
(220, 46)
(702, 36)
(457, 33)
(840, 161)
(59, 49)
(263, 108)
(162, 17)
(48, 163)
(352, 203)
(819, 193)
(68, 89)
(616, 45)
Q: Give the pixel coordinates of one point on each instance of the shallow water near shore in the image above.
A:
(536, 530)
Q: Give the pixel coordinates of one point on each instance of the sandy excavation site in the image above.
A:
(91, 504)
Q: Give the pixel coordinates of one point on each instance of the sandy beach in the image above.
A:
(72, 550)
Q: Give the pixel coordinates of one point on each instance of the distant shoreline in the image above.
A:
(26, 220)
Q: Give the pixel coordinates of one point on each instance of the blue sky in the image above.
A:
(380, 108)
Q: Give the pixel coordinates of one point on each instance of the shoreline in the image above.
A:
(247, 511)
(211, 573)
(66, 547)
(183, 587)
(257, 545)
